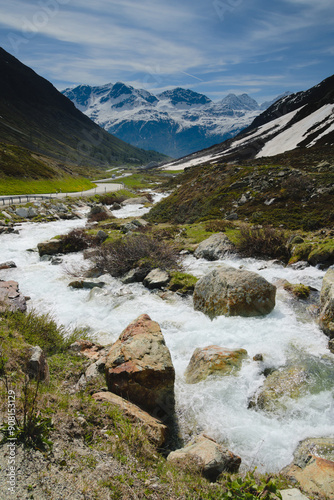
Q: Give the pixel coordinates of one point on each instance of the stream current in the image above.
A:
(218, 405)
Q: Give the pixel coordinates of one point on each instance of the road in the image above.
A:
(101, 188)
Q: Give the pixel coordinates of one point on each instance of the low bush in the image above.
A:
(99, 217)
(118, 257)
(218, 226)
(110, 199)
(263, 241)
(77, 240)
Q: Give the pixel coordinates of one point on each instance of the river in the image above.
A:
(218, 406)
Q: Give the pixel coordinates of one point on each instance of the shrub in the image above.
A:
(263, 242)
(218, 226)
(99, 217)
(77, 240)
(296, 187)
(110, 199)
(118, 257)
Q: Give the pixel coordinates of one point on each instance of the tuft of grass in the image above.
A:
(42, 330)
(299, 291)
(182, 282)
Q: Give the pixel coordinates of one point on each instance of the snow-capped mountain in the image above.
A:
(175, 122)
(297, 121)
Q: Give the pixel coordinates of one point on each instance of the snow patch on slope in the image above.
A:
(290, 138)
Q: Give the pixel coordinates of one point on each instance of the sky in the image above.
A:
(215, 47)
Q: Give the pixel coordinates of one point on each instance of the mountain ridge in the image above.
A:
(36, 116)
(175, 122)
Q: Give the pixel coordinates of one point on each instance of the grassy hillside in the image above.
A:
(295, 193)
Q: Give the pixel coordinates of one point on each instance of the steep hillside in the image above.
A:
(297, 121)
(286, 190)
(34, 115)
(175, 122)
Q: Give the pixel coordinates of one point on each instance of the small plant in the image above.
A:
(26, 425)
(300, 291)
(250, 488)
(99, 217)
(182, 282)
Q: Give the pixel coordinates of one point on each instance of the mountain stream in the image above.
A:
(218, 405)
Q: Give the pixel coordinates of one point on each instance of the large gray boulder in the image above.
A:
(11, 299)
(210, 458)
(139, 368)
(213, 360)
(326, 319)
(214, 247)
(234, 292)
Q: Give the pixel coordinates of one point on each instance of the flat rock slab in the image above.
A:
(11, 299)
(157, 432)
(210, 457)
(293, 494)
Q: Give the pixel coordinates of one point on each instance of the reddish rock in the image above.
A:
(139, 368)
(213, 359)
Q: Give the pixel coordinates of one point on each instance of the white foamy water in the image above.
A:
(218, 406)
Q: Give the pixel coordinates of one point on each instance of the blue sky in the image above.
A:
(214, 47)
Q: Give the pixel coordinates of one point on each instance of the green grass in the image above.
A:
(11, 185)
(140, 181)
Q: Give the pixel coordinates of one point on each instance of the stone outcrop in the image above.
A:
(139, 368)
(98, 208)
(140, 200)
(156, 431)
(213, 360)
(326, 319)
(313, 467)
(38, 366)
(50, 247)
(210, 458)
(11, 299)
(214, 247)
(234, 292)
(157, 278)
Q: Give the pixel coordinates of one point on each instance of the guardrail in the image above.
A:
(26, 197)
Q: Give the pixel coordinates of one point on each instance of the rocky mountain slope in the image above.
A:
(34, 115)
(175, 122)
(298, 121)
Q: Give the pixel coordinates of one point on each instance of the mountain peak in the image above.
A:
(184, 96)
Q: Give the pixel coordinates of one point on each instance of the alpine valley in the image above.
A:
(176, 122)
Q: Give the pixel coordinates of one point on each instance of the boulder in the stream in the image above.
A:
(214, 247)
(157, 278)
(209, 457)
(213, 360)
(11, 299)
(234, 292)
(7, 265)
(50, 247)
(139, 368)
